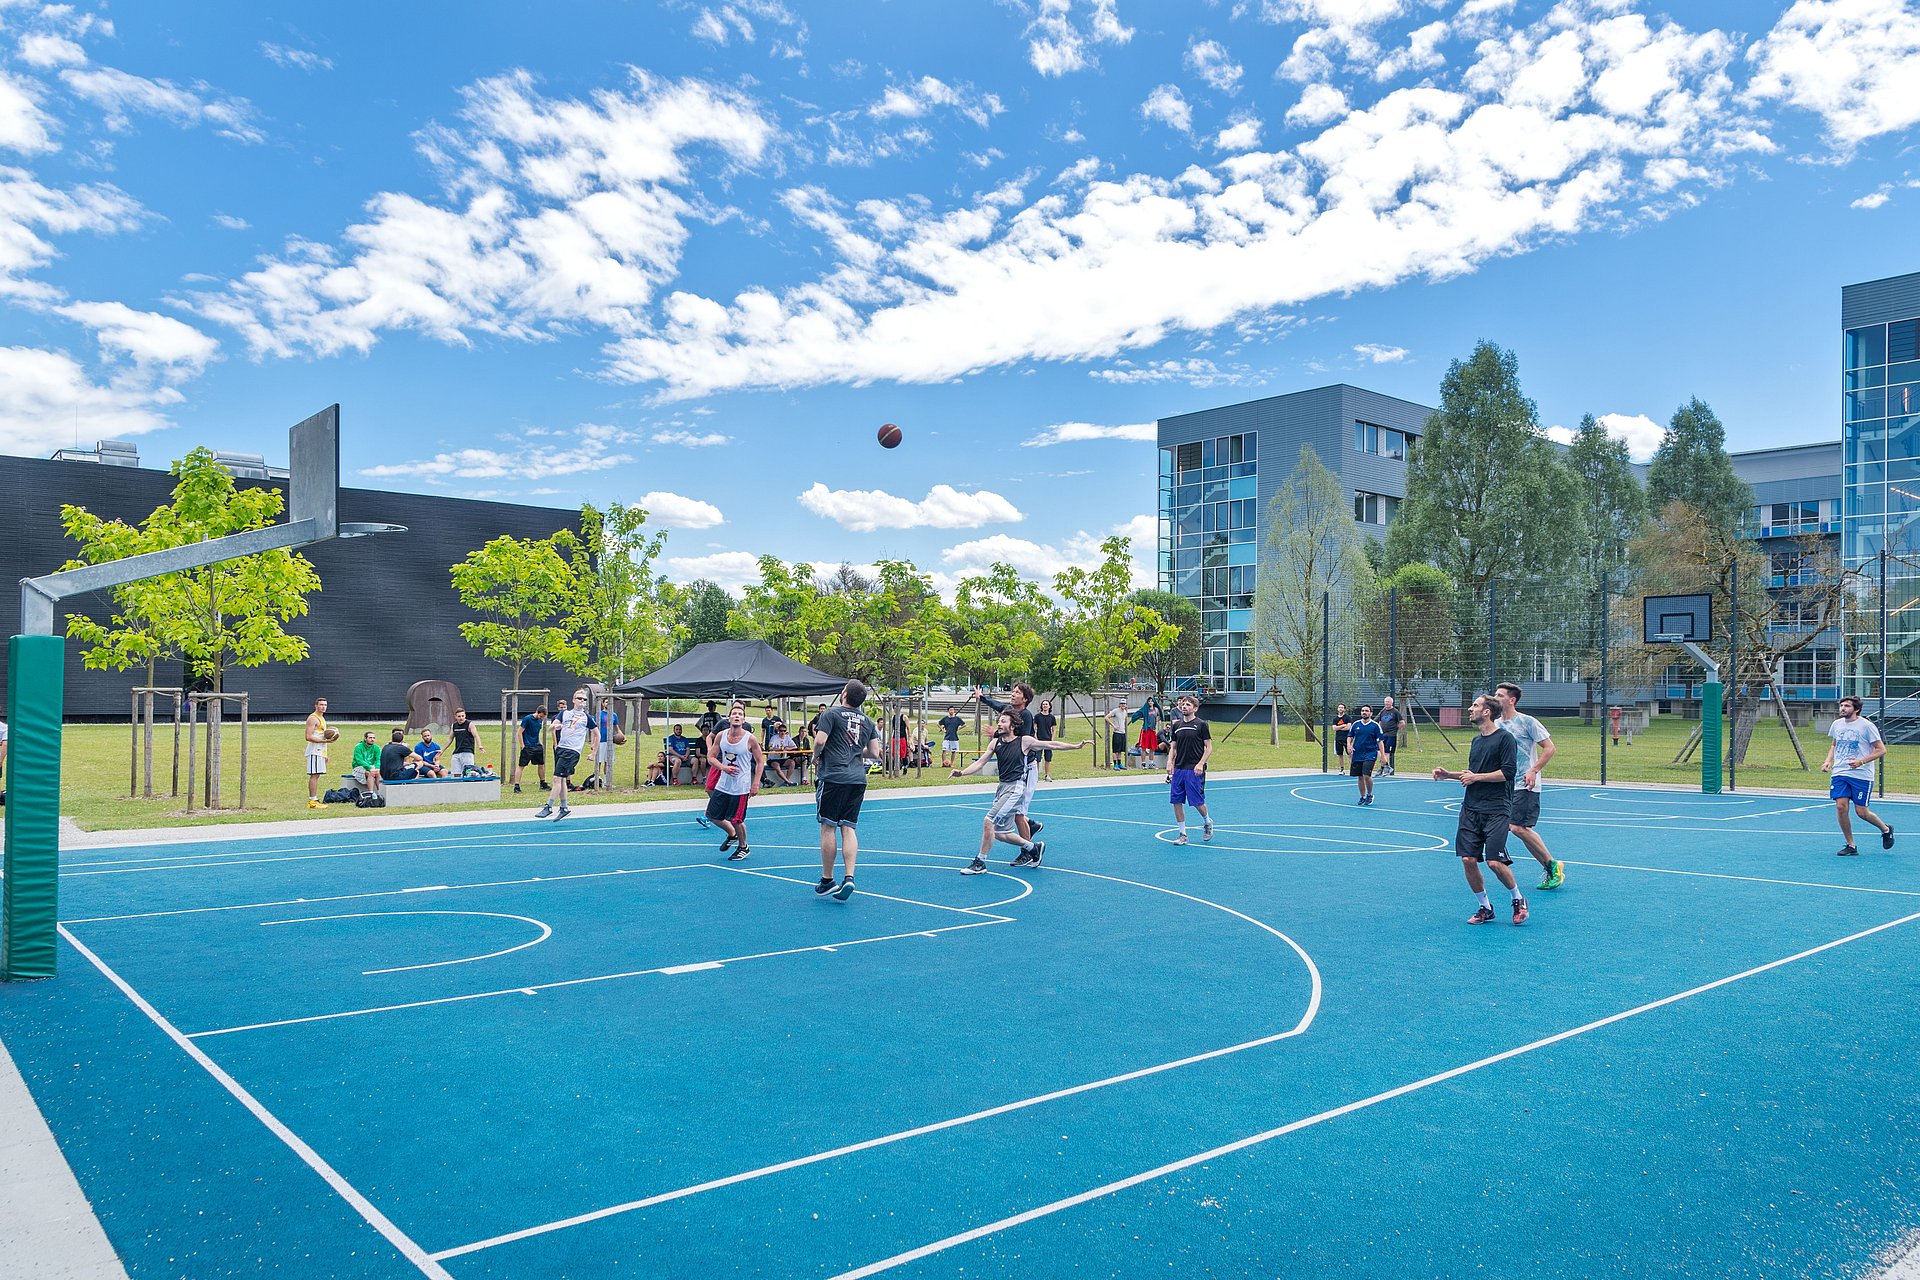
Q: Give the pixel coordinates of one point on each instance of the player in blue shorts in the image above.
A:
(1856, 745)
(1189, 747)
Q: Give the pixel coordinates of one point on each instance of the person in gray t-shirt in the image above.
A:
(1535, 749)
(844, 739)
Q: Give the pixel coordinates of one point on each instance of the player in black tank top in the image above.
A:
(1009, 752)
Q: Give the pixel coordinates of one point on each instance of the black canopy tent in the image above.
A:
(734, 669)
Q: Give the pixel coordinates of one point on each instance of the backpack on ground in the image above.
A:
(368, 800)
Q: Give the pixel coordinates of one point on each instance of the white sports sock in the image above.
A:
(1484, 900)
(1515, 891)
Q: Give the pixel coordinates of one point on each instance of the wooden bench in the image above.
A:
(412, 793)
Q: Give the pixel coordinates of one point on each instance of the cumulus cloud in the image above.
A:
(1210, 60)
(1641, 434)
(1850, 62)
(591, 451)
(675, 511)
(920, 97)
(298, 59)
(46, 49)
(122, 95)
(1167, 105)
(52, 402)
(1318, 104)
(692, 440)
(1061, 35)
(944, 507)
(24, 127)
(733, 570)
(1041, 561)
(1379, 354)
(1242, 135)
(1073, 432)
(144, 337)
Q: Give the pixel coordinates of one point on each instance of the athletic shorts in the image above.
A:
(1026, 787)
(713, 778)
(1858, 790)
(462, 761)
(1117, 743)
(1363, 768)
(1482, 837)
(950, 746)
(533, 755)
(1339, 742)
(839, 803)
(565, 761)
(316, 762)
(603, 752)
(1189, 787)
(724, 807)
(1526, 808)
(1149, 741)
(1389, 742)
(1006, 804)
(1047, 755)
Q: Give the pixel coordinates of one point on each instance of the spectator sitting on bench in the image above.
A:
(783, 766)
(396, 760)
(366, 763)
(676, 752)
(429, 753)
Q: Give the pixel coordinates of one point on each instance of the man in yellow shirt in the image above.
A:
(316, 751)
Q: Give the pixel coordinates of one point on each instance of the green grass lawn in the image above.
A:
(97, 767)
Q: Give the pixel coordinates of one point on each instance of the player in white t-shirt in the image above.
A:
(573, 735)
(1856, 745)
(1536, 748)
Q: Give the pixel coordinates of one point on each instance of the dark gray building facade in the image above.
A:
(385, 616)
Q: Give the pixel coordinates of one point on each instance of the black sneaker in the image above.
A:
(974, 868)
(1483, 916)
(516, 788)
(1030, 857)
(726, 844)
(1033, 828)
(546, 810)
(739, 855)
(845, 890)
(824, 888)
(1848, 851)
(1886, 838)
(564, 811)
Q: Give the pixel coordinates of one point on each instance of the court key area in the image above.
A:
(599, 1049)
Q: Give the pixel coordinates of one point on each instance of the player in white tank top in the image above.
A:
(738, 756)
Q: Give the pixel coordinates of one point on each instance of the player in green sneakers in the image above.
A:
(1536, 749)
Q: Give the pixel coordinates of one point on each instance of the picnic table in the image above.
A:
(793, 755)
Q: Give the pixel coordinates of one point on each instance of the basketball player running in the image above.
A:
(1856, 745)
(1492, 762)
(844, 739)
(1189, 747)
(1536, 748)
(740, 758)
(572, 735)
(1008, 751)
(1020, 703)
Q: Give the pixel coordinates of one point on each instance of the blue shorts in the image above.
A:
(1858, 790)
(1189, 787)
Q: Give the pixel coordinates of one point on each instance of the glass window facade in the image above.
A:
(1209, 534)
(1385, 441)
(1880, 505)
(1375, 508)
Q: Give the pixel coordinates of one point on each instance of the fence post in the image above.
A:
(1393, 637)
(1326, 674)
(1606, 700)
(1733, 682)
(1881, 717)
(1493, 634)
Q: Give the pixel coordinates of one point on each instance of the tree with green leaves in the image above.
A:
(708, 610)
(1416, 604)
(1692, 466)
(625, 618)
(230, 614)
(1103, 633)
(1611, 497)
(1313, 550)
(781, 608)
(1000, 624)
(1182, 657)
(523, 589)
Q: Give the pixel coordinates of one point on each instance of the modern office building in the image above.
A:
(1880, 507)
(1220, 467)
(1796, 518)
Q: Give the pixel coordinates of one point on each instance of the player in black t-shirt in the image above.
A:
(1189, 746)
(1043, 726)
(1020, 703)
(950, 726)
(1492, 760)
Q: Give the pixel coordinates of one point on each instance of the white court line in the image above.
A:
(912, 902)
(1716, 875)
(546, 931)
(1260, 828)
(1188, 1162)
(1306, 1020)
(377, 1220)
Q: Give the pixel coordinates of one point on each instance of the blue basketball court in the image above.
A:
(598, 1049)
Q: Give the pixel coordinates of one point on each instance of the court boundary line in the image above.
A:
(400, 1240)
(1721, 875)
(546, 931)
(1334, 1113)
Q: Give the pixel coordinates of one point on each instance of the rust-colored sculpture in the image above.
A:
(432, 702)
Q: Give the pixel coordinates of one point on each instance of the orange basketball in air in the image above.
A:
(890, 437)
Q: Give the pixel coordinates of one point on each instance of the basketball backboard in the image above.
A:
(1671, 619)
(313, 466)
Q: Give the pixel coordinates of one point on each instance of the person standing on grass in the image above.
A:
(1340, 724)
(573, 735)
(316, 735)
(607, 730)
(1149, 716)
(1856, 746)
(1189, 747)
(1391, 723)
(1363, 739)
(466, 745)
(1008, 751)
(1613, 723)
(1536, 748)
(950, 726)
(1020, 703)
(844, 739)
(1043, 726)
(533, 746)
(741, 760)
(1493, 760)
(1117, 734)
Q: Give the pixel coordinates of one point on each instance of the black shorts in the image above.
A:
(1117, 743)
(565, 761)
(1526, 808)
(1482, 837)
(1388, 743)
(1047, 756)
(1363, 768)
(1340, 742)
(840, 803)
(722, 807)
(533, 755)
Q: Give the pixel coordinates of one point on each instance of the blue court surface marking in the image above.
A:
(597, 1048)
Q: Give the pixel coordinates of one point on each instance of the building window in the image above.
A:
(1385, 441)
(1208, 530)
(1374, 508)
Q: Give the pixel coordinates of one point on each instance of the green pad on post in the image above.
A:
(1710, 703)
(29, 905)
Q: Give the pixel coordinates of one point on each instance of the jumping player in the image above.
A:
(1020, 703)
(1008, 751)
(1189, 747)
(1364, 741)
(844, 739)
(572, 735)
(740, 759)
(1492, 759)
(1536, 748)
(1856, 745)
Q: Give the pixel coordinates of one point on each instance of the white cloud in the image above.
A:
(1641, 434)
(1850, 62)
(1167, 105)
(51, 402)
(944, 507)
(1381, 354)
(689, 440)
(592, 452)
(232, 222)
(1318, 104)
(46, 49)
(1210, 60)
(24, 127)
(920, 97)
(30, 211)
(1078, 172)
(147, 339)
(733, 570)
(1194, 371)
(1073, 432)
(1872, 200)
(720, 25)
(1421, 52)
(1242, 135)
(675, 511)
(121, 94)
(298, 59)
(1041, 561)
(1059, 44)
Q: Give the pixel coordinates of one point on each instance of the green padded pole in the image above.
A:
(1710, 695)
(36, 673)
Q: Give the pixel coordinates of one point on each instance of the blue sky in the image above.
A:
(694, 254)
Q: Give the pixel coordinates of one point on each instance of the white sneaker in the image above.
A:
(1180, 837)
